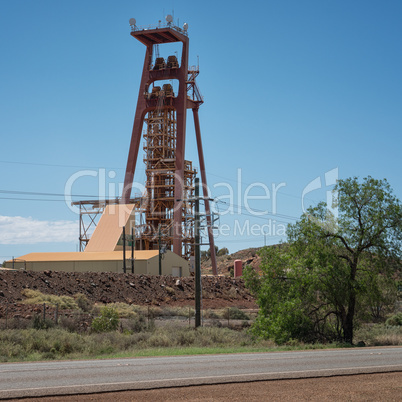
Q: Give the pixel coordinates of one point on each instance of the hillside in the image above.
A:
(225, 264)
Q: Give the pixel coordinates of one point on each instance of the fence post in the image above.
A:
(56, 313)
(7, 315)
(228, 316)
(44, 311)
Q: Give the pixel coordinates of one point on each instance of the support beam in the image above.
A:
(197, 277)
(181, 109)
(136, 134)
(205, 191)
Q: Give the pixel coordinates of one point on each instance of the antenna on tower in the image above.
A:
(169, 19)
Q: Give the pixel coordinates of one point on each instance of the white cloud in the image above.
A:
(20, 230)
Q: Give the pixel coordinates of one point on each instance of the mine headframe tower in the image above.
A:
(168, 204)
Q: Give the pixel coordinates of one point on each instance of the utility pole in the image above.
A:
(132, 249)
(197, 254)
(124, 249)
(160, 254)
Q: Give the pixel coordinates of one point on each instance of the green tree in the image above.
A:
(223, 251)
(333, 269)
(107, 321)
(206, 254)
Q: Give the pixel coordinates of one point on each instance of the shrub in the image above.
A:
(379, 335)
(210, 336)
(222, 252)
(235, 313)
(170, 290)
(394, 320)
(37, 297)
(76, 323)
(83, 302)
(15, 323)
(124, 310)
(154, 312)
(39, 323)
(186, 337)
(134, 325)
(211, 314)
(107, 321)
(159, 340)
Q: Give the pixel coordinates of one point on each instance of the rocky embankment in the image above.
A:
(106, 287)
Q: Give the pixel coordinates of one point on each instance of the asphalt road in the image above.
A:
(19, 380)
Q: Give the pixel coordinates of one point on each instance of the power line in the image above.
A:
(60, 165)
(48, 194)
(258, 210)
(138, 168)
(29, 199)
(250, 184)
(119, 168)
(33, 193)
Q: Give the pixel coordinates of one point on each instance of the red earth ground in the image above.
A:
(363, 387)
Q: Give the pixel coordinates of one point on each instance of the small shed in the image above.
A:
(145, 262)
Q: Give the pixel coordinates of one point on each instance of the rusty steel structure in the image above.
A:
(169, 207)
(164, 214)
(159, 199)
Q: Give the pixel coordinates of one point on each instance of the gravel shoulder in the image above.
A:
(362, 387)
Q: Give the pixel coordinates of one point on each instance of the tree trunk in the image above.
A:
(348, 321)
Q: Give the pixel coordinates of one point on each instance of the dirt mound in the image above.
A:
(107, 287)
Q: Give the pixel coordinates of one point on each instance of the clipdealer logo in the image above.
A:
(237, 200)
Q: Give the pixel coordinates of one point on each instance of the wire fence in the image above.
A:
(43, 316)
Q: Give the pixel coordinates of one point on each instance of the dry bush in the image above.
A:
(170, 290)
(379, 335)
(133, 325)
(83, 302)
(232, 293)
(235, 313)
(37, 297)
(158, 340)
(124, 310)
(214, 314)
(15, 323)
(76, 322)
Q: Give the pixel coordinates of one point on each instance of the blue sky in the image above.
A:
(293, 89)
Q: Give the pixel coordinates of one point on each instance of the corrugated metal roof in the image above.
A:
(109, 228)
(88, 256)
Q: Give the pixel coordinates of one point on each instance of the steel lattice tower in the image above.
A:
(168, 204)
